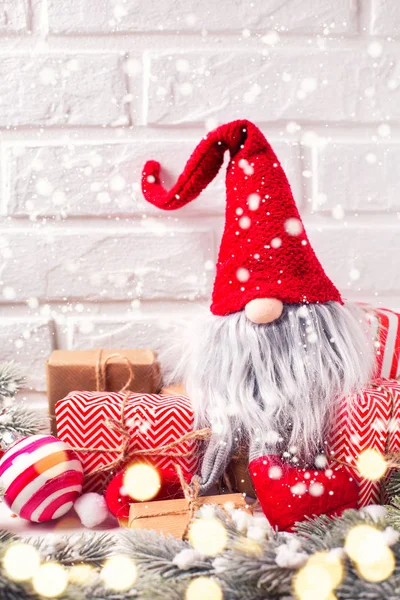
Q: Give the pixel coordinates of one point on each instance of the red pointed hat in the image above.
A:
(264, 252)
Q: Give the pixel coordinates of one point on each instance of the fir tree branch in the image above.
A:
(11, 379)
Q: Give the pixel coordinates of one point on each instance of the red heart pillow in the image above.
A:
(288, 494)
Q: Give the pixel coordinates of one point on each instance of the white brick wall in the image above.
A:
(90, 89)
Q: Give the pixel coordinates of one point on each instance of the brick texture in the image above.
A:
(14, 15)
(152, 262)
(385, 18)
(356, 177)
(29, 342)
(311, 84)
(50, 90)
(185, 15)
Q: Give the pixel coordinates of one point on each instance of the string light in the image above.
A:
(313, 583)
(371, 464)
(50, 580)
(367, 547)
(203, 588)
(322, 573)
(21, 561)
(141, 482)
(119, 573)
(81, 574)
(331, 563)
(380, 569)
(364, 544)
(208, 536)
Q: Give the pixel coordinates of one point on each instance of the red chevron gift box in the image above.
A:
(152, 420)
(369, 420)
(385, 331)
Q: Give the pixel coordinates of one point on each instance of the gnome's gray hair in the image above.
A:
(275, 385)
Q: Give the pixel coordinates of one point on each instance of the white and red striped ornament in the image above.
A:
(41, 476)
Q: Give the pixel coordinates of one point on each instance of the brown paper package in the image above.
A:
(75, 370)
(237, 471)
(171, 516)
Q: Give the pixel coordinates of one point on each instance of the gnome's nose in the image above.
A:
(263, 310)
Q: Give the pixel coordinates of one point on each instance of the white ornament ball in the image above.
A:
(263, 310)
(41, 477)
(92, 509)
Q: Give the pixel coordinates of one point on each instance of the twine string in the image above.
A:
(191, 494)
(120, 426)
(101, 371)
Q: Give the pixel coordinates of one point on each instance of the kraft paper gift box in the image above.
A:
(173, 516)
(81, 370)
(369, 420)
(152, 421)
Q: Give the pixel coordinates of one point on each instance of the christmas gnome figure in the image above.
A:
(281, 347)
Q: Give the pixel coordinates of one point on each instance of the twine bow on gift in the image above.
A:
(191, 494)
(120, 426)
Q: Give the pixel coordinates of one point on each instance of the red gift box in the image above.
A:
(153, 420)
(364, 421)
(385, 331)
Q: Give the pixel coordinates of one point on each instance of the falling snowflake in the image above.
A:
(253, 201)
(275, 472)
(375, 49)
(243, 274)
(293, 226)
(276, 242)
(246, 166)
(244, 222)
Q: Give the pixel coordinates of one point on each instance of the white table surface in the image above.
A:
(70, 523)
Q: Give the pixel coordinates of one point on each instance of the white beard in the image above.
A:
(275, 386)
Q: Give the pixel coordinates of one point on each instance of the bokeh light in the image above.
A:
(141, 482)
(313, 582)
(208, 536)
(371, 464)
(368, 548)
(203, 588)
(380, 569)
(119, 573)
(364, 544)
(82, 574)
(50, 580)
(322, 573)
(21, 561)
(331, 563)
(248, 546)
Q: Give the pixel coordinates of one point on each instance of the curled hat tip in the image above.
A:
(151, 171)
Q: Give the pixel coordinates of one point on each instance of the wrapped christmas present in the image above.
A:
(385, 331)
(100, 370)
(366, 435)
(108, 430)
(175, 516)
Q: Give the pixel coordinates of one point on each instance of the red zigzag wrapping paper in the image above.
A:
(368, 420)
(385, 331)
(154, 420)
